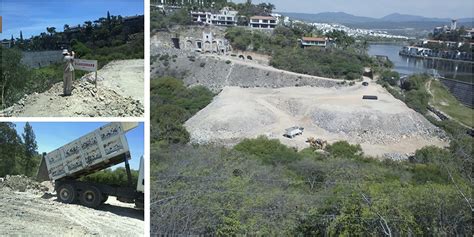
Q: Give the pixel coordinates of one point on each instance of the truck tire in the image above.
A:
(91, 197)
(66, 193)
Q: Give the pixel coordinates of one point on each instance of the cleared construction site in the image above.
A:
(255, 99)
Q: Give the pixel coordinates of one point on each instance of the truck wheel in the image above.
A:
(104, 198)
(91, 197)
(66, 193)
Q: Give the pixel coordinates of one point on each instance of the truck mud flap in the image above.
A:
(42, 174)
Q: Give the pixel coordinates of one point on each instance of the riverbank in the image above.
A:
(434, 58)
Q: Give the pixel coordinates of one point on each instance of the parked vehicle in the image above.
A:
(293, 132)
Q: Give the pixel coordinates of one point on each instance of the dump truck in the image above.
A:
(293, 132)
(98, 150)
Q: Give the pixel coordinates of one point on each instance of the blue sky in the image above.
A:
(378, 8)
(52, 135)
(33, 16)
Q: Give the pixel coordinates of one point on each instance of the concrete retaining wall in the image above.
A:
(461, 90)
(41, 58)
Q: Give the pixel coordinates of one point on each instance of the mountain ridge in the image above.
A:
(343, 17)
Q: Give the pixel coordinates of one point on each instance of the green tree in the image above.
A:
(11, 148)
(13, 75)
(31, 149)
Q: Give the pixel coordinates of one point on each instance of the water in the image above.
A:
(407, 66)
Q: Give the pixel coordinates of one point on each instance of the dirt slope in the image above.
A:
(384, 127)
(126, 77)
(119, 94)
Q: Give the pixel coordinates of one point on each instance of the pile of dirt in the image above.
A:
(86, 101)
(22, 183)
(384, 127)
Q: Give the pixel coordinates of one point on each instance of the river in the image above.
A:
(407, 66)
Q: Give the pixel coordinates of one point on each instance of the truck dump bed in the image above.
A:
(100, 149)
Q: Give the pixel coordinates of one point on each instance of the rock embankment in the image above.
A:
(216, 72)
(86, 101)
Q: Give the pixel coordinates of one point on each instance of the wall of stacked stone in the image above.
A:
(41, 58)
(463, 91)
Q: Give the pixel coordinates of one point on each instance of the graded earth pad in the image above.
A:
(126, 77)
(383, 127)
(117, 95)
(28, 209)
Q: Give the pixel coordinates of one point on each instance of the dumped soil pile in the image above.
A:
(85, 101)
(22, 183)
(383, 127)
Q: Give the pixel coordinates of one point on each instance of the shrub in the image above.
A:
(343, 149)
(269, 151)
(418, 100)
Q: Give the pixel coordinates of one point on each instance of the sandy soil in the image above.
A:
(382, 127)
(27, 214)
(126, 77)
(119, 94)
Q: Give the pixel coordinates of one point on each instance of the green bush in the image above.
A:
(172, 104)
(269, 151)
(117, 177)
(391, 77)
(418, 100)
(343, 149)
(334, 63)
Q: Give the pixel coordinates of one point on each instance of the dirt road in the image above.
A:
(382, 127)
(27, 214)
(119, 94)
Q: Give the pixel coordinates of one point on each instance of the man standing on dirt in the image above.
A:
(68, 72)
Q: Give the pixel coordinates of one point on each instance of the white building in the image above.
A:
(314, 41)
(225, 17)
(263, 22)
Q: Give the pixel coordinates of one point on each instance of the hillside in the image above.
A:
(386, 22)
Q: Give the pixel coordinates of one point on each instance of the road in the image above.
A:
(27, 214)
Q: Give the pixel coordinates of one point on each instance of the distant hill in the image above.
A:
(386, 22)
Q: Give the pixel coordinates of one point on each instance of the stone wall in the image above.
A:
(461, 90)
(41, 58)
(216, 73)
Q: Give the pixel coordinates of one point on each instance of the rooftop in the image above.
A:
(314, 39)
(262, 18)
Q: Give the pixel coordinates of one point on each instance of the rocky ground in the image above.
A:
(28, 208)
(128, 81)
(384, 127)
(216, 72)
(109, 99)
